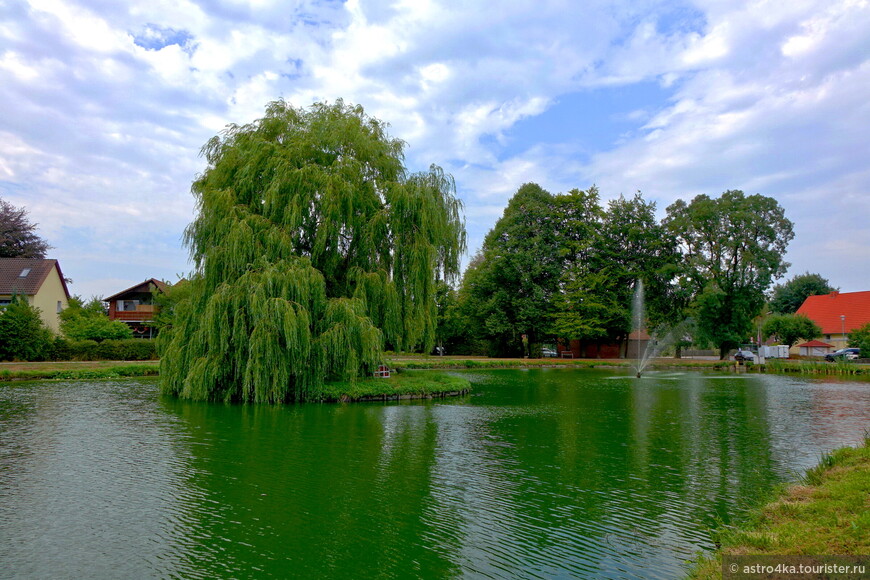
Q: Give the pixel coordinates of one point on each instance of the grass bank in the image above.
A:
(828, 513)
(76, 370)
(399, 386)
(437, 362)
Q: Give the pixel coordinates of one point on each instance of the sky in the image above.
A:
(105, 105)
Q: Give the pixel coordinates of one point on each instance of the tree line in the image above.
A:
(566, 266)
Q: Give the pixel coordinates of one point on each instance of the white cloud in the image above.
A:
(106, 106)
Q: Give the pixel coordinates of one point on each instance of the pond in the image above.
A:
(546, 473)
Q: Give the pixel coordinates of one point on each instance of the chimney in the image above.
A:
(835, 293)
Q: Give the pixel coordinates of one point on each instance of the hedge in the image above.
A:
(126, 349)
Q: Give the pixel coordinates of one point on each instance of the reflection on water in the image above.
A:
(539, 474)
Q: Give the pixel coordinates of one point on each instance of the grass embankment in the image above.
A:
(398, 386)
(827, 514)
(77, 370)
(436, 362)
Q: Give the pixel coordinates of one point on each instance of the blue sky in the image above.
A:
(105, 105)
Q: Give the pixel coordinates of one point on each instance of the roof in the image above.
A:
(826, 310)
(141, 287)
(37, 270)
(815, 343)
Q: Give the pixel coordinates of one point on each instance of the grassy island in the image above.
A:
(426, 385)
(827, 513)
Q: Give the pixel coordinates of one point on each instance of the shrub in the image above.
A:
(22, 334)
(86, 350)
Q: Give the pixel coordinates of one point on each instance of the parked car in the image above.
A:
(743, 355)
(843, 354)
(548, 352)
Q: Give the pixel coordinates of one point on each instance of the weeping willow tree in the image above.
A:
(314, 250)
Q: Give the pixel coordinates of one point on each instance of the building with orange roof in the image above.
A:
(40, 282)
(135, 307)
(838, 314)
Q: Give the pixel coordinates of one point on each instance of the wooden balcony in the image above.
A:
(142, 313)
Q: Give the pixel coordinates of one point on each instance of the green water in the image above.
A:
(539, 474)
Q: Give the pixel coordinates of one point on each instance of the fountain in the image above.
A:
(658, 340)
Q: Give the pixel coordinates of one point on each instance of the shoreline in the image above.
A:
(11, 371)
(823, 514)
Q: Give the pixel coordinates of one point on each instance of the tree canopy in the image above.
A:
(788, 297)
(512, 282)
(732, 249)
(18, 237)
(860, 338)
(313, 249)
(563, 266)
(790, 328)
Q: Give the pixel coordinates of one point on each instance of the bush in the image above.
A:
(22, 334)
(89, 322)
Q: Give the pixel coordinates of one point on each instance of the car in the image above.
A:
(548, 352)
(743, 355)
(843, 354)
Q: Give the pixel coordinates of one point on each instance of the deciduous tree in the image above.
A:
(788, 297)
(513, 281)
(732, 249)
(860, 338)
(18, 237)
(790, 328)
(313, 247)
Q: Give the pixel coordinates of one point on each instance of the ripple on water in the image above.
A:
(543, 474)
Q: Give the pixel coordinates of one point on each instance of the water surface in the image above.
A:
(546, 473)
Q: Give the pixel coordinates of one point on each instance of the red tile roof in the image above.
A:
(12, 282)
(826, 309)
(813, 343)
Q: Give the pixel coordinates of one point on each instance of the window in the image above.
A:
(24, 273)
(127, 305)
(59, 306)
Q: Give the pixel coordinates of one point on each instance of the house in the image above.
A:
(815, 348)
(837, 314)
(135, 307)
(40, 281)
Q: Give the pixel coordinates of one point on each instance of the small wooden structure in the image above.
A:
(383, 372)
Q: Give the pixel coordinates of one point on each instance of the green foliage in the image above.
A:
(18, 237)
(510, 285)
(22, 334)
(732, 250)
(790, 328)
(166, 302)
(608, 252)
(91, 350)
(563, 266)
(313, 250)
(860, 338)
(88, 321)
(787, 298)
